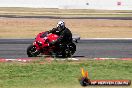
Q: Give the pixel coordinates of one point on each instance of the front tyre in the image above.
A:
(32, 51)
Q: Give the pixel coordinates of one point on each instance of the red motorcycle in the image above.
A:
(41, 46)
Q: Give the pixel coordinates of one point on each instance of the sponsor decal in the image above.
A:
(86, 81)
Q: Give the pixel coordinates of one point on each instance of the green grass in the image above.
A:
(60, 74)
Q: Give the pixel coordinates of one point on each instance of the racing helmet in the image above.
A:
(61, 25)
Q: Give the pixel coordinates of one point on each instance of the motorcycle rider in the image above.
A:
(65, 35)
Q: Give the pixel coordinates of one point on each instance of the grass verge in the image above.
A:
(61, 74)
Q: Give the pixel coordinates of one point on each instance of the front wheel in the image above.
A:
(32, 51)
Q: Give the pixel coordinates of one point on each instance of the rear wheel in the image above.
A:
(65, 51)
(32, 52)
(72, 48)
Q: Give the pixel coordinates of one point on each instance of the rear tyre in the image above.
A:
(32, 51)
(72, 48)
(66, 53)
(69, 50)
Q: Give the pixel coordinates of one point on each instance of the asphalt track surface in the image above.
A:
(54, 17)
(16, 48)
